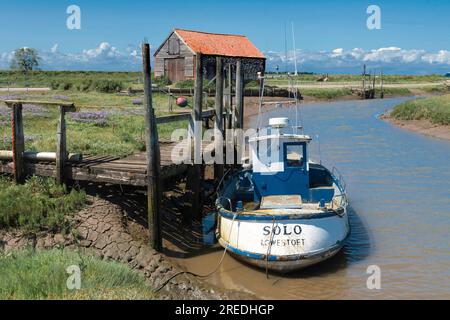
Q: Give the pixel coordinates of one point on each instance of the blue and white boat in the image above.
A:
(282, 211)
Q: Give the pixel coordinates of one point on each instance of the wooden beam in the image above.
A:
(184, 116)
(152, 155)
(18, 142)
(196, 184)
(230, 96)
(219, 127)
(69, 106)
(239, 95)
(198, 105)
(61, 145)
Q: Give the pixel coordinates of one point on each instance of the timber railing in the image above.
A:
(18, 139)
(19, 156)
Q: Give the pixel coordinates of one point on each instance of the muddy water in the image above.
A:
(399, 188)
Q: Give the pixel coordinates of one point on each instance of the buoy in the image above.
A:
(182, 102)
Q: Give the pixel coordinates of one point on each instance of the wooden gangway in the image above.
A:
(147, 169)
(131, 170)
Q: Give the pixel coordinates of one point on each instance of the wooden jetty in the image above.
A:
(150, 168)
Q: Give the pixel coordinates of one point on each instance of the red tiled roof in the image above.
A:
(219, 44)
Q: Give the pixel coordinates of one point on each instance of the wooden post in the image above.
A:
(18, 143)
(218, 168)
(196, 185)
(61, 148)
(239, 95)
(230, 97)
(153, 157)
(364, 82)
(239, 113)
(198, 101)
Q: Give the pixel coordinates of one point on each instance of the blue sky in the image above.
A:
(324, 29)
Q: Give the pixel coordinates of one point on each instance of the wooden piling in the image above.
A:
(218, 168)
(61, 149)
(197, 170)
(230, 96)
(153, 157)
(18, 142)
(239, 95)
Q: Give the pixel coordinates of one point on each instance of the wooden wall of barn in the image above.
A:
(184, 52)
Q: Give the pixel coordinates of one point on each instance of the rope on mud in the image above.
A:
(202, 275)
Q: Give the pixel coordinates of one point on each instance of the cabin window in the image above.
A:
(294, 155)
(174, 46)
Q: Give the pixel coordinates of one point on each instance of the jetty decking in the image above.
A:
(131, 170)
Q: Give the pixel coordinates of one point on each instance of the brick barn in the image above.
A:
(175, 57)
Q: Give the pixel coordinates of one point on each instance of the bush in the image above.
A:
(106, 86)
(38, 205)
(184, 84)
(162, 81)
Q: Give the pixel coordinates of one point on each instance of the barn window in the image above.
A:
(174, 46)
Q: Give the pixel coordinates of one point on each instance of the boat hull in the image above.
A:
(280, 243)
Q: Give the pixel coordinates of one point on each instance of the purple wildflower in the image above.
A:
(34, 110)
(61, 97)
(98, 118)
(137, 102)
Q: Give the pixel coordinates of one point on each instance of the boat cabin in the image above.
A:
(282, 175)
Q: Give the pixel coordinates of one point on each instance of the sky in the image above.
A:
(330, 36)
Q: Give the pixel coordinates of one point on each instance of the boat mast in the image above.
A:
(295, 54)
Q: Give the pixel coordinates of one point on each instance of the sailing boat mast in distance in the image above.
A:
(295, 53)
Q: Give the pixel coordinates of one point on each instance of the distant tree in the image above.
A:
(25, 59)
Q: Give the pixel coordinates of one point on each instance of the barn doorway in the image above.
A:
(175, 69)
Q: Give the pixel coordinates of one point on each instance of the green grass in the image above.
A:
(435, 109)
(38, 205)
(273, 79)
(326, 94)
(437, 89)
(42, 275)
(394, 91)
(51, 78)
(121, 135)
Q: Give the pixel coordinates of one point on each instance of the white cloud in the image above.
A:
(54, 49)
(392, 59)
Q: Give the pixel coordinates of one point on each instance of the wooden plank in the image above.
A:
(68, 105)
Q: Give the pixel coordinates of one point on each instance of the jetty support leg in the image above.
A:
(197, 199)
(218, 124)
(153, 157)
(61, 146)
(18, 143)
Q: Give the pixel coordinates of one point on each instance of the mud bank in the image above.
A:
(106, 229)
(423, 126)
